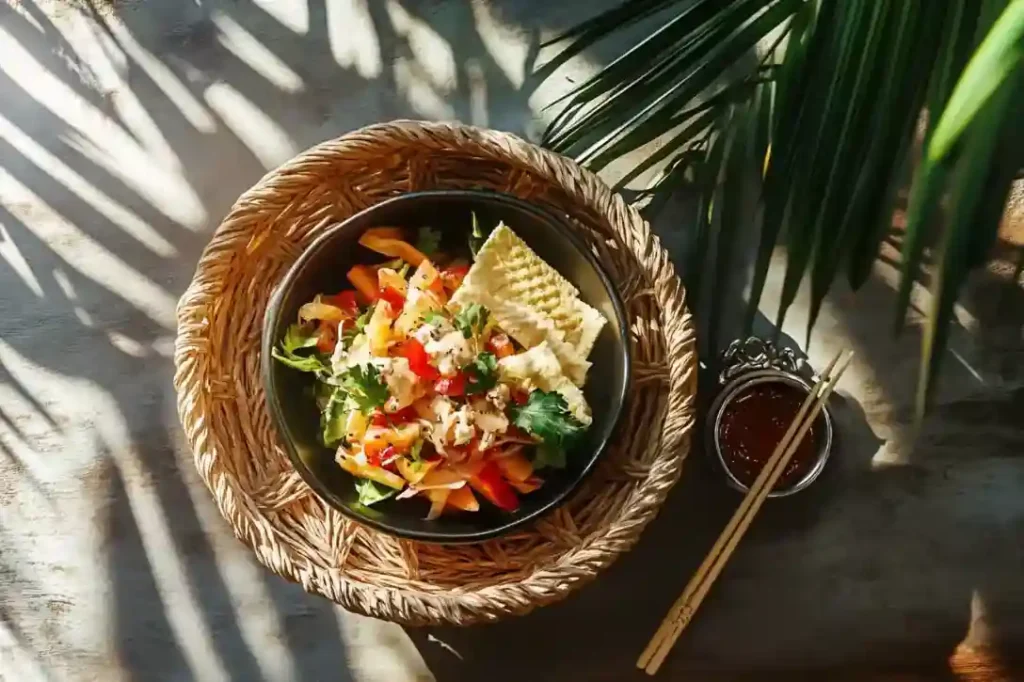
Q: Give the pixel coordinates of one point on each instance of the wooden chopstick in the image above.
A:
(682, 611)
(737, 517)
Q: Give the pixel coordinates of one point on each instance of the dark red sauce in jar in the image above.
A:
(754, 422)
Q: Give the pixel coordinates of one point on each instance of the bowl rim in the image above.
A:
(268, 340)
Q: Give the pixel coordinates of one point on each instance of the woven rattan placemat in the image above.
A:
(222, 407)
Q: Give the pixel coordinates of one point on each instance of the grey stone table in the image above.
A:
(126, 131)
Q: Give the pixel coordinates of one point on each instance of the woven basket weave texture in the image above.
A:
(223, 409)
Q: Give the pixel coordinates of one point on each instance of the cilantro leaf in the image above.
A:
(471, 319)
(296, 338)
(363, 319)
(364, 386)
(434, 316)
(333, 419)
(546, 416)
(398, 265)
(428, 241)
(308, 363)
(414, 453)
(482, 373)
(371, 492)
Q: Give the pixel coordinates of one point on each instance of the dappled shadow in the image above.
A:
(908, 544)
(126, 131)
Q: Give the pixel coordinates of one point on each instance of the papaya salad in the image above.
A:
(445, 378)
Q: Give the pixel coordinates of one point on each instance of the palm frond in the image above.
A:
(931, 176)
(952, 255)
(732, 188)
(977, 146)
(639, 97)
(827, 119)
(795, 93)
(585, 34)
(998, 58)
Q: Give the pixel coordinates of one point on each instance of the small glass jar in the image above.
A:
(754, 369)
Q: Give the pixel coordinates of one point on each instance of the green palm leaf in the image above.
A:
(952, 256)
(827, 121)
(997, 59)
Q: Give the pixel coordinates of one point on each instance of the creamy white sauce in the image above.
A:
(449, 353)
(402, 382)
(464, 429)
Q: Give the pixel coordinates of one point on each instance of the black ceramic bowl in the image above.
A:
(322, 268)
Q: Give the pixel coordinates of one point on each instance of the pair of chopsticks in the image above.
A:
(689, 601)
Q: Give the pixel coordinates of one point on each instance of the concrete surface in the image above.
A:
(126, 131)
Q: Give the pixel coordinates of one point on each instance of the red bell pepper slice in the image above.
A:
(419, 362)
(346, 300)
(451, 386)
(403, 416)
(495, 489)
(453, 275)
(385, 419)
(388, 456)
(394, 297)
(373, 453)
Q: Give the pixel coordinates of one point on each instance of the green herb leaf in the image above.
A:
(296, 338)
(333, 419)
(398, 265)
(365, 387)
(311, 363)
(546, 416)
(428, 241)
(414, 453)
(371, 492)
(482, 373)
(471, 320)
(364, 319)
(434, 316)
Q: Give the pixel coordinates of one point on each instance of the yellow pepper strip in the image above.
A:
(364, 279)
(382, 476)
(386, 277)
(314, 310)
(393, 248)
(437, 499)
(401, 437)
(463, 499)
(515, 467)
(414, 474)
